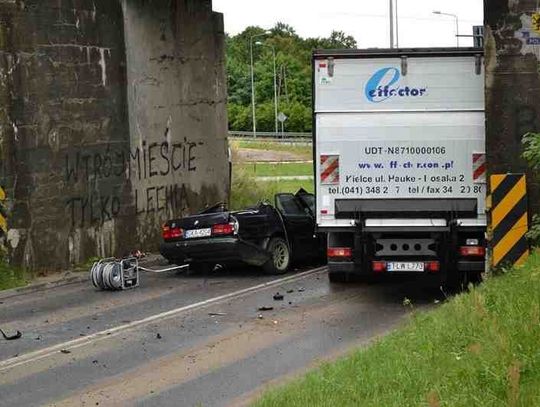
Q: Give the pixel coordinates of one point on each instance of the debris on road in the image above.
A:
(290, 291)
(18, 335)
(217, 314)
(65, 351)
(278, 297)
(265, 309)
(138, 254)
(260, 316)
(158, 336)
(301, 289)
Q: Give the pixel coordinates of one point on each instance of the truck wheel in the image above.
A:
(280, 257)
(338, 277)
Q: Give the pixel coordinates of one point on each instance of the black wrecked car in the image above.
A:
(271, 237)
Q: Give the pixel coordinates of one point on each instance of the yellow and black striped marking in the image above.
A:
(3, 212)
(509, 219)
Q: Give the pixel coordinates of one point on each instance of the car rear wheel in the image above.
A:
(280, 258)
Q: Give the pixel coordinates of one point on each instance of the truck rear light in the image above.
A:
(223, 229)
(339, 252)
(433, 266)
(379, 266)
(169, 233)
(472, 251)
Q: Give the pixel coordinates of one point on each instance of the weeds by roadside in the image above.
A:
(11, 277)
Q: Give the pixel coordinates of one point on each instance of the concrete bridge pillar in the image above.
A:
(512, 86)
(112, 119)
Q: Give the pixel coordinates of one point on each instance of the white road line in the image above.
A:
(109, 333)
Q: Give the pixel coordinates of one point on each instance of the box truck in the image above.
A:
(400, 163)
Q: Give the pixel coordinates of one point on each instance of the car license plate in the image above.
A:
(405, 266)
(195, 233)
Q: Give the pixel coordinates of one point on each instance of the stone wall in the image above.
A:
(512, 87)
(100, 145)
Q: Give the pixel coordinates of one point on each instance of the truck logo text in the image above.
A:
(381, 86)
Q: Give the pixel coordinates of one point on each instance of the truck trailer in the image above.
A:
(400, 162)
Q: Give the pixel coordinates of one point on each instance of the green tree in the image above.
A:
(293, 63)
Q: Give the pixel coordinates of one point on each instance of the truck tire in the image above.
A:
(338, 277)
(280, 257)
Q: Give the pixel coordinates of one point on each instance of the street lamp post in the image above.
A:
(457, 23)
(253, 80)
(275, 85)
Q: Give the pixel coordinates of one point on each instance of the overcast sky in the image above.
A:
(366, 20)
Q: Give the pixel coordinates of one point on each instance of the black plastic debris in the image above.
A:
(65, 351)
(158, 336)
(265, 309)
(18, 335)
(217, 314)
(278, 297)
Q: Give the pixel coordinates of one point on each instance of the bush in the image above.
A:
(531, 142)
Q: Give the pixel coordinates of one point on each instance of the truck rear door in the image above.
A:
(396, 126)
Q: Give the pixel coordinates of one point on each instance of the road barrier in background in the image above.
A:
(507, 205)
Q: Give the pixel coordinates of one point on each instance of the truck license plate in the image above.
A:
(408, 266)
(192, 234)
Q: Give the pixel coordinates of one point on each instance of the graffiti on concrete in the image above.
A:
(141, 163)
(146, 163)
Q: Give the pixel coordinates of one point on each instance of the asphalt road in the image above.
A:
(182, 340)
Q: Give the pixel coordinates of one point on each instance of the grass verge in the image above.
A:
(247, 191)
(11, 277)
(276, 170)
(479, 349)
(304, 151)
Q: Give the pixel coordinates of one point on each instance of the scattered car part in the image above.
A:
(18, 335)
(265, 309)
(278, 297)
(113, 274)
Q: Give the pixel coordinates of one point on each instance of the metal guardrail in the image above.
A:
(270, 135)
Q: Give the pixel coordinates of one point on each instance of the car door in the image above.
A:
(299, 224)
(307, 200)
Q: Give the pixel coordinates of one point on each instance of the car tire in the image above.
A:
(280, 257)
(338, 277)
